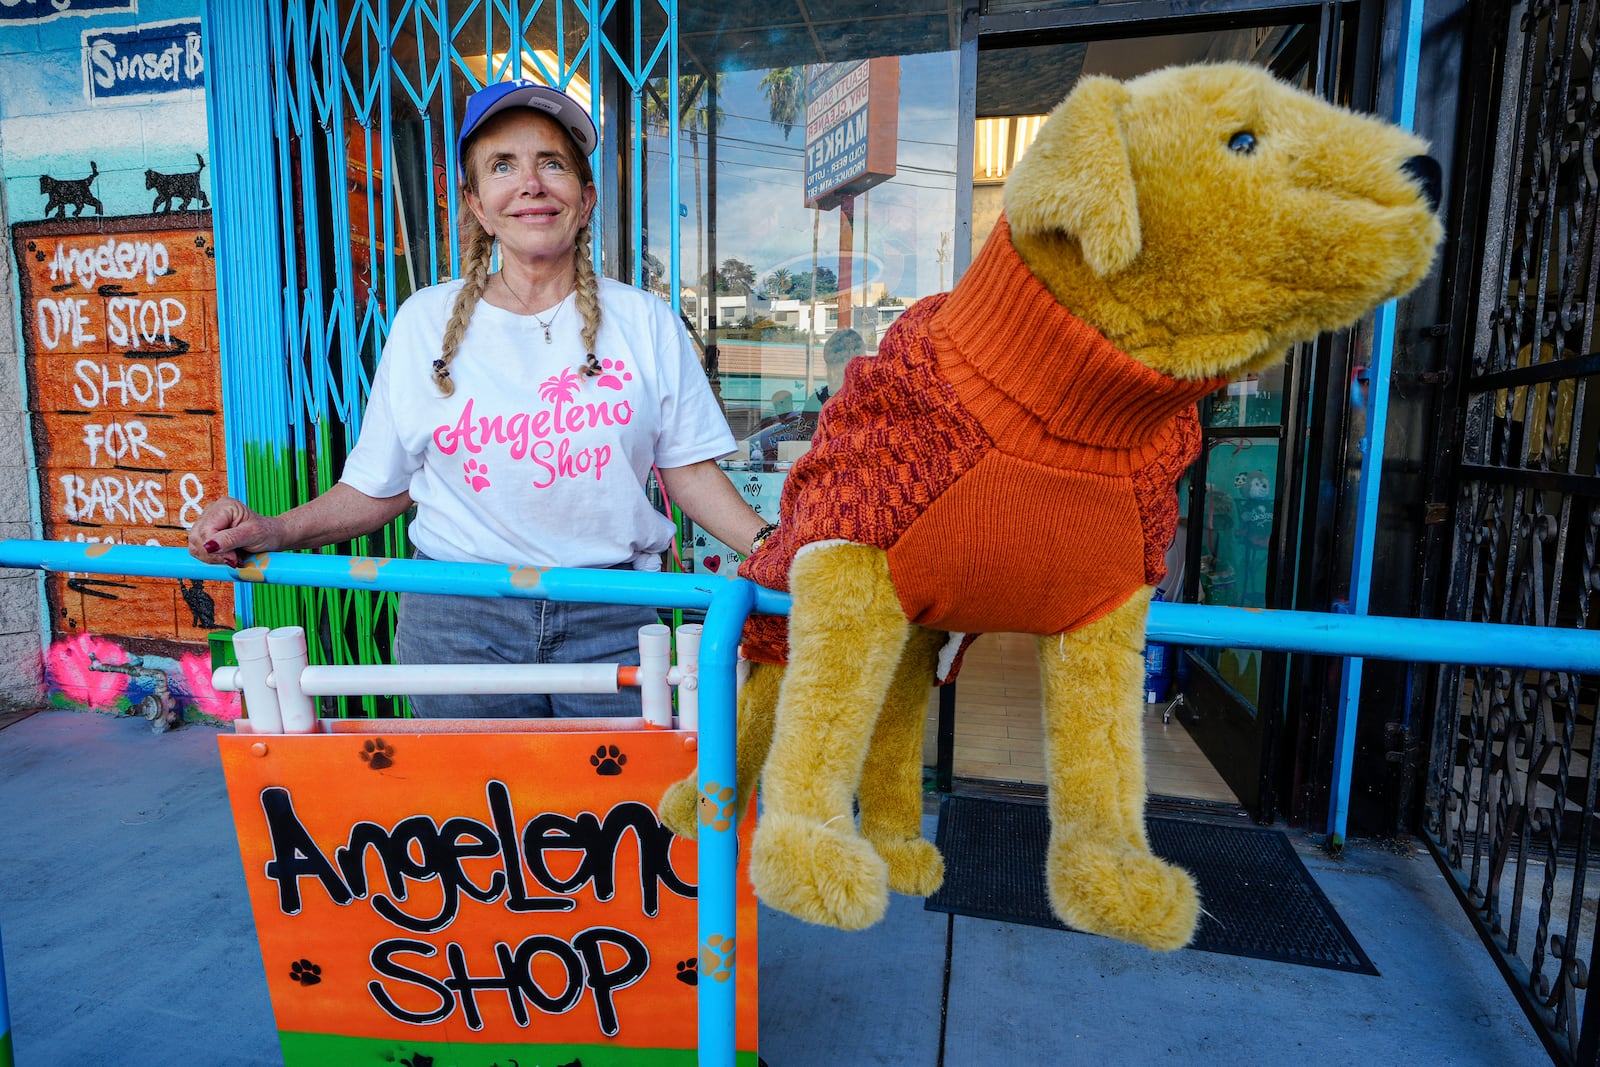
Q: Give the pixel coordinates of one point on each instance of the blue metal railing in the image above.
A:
(728, 601)
(7, 1057)
(1371, 483)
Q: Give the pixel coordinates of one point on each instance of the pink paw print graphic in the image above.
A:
(477, 475)
(611, 369)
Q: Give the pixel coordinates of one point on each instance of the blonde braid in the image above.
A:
(588, 301)
(476, 246)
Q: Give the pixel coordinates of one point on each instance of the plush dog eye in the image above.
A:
(1243, 142)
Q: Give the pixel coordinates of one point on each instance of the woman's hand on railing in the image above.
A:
(228, 531)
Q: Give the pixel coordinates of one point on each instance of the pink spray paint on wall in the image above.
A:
(89, 672)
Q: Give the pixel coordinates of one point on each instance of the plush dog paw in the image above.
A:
(824, 874)
(915, 866)
(1123, 893)
(679, 809)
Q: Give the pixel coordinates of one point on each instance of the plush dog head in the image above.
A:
(1205, 218)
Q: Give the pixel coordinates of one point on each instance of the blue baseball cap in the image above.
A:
(523, 92)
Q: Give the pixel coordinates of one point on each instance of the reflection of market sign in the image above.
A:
(44, 10)
(852, 127)
(417, 892)
(157, 58)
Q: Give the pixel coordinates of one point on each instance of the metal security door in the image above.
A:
(333, 128)
(1510, 797)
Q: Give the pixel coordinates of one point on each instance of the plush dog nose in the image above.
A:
(1425, 169)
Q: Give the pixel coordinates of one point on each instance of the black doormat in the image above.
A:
(1259, 899)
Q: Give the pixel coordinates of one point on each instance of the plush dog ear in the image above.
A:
(1076, 178)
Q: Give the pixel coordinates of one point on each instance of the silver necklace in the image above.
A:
(553, 315)
(523, 303)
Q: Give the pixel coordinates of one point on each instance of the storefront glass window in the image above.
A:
(816, 196)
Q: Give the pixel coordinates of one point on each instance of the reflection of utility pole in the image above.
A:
(847, 241)
(811, 326)
(871, 331)
(943, 255)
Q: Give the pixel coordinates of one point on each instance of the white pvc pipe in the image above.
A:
(688, 671)
(287, 647)
(655, 659)
(260, 702)
(449, 678)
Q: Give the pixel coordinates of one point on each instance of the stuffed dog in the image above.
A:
(1160, 237)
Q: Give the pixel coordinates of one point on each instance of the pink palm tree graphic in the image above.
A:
(563, 386)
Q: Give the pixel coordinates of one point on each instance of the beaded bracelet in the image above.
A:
(761, 537)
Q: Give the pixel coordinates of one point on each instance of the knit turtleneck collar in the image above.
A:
(1044, 383)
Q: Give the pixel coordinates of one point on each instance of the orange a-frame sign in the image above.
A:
(426, 893)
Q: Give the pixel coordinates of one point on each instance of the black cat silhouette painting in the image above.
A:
(171, 188)
(62, 193)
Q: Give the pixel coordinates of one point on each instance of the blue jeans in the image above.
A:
(458, 629)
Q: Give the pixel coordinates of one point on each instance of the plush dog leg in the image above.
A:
(682, 803)
(846, 636)
(1101, 875)
(891, 784)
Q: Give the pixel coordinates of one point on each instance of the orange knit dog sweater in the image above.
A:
(1018, 469)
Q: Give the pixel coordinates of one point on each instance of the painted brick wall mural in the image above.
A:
(104, 155)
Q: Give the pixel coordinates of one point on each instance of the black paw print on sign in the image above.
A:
(417, 1060)
(689, 972)
(608, 759)
(378, 754)
(305, 972)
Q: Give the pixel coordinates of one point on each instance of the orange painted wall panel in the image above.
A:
(119, 338)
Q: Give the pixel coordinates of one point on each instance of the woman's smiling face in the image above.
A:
(526, 185)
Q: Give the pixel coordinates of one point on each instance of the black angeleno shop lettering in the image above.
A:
(582, 961)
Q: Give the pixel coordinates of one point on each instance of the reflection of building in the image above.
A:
(870, 312)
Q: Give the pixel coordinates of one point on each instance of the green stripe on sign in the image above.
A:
(323, 1050)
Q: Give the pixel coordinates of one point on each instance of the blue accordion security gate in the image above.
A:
(333, 132)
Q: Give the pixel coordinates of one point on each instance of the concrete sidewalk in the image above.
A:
(129, 942)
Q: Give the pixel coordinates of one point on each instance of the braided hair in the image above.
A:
(476, 246)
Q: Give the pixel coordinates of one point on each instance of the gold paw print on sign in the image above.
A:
(716, 806)
(364, 569)
(525, 577)
(716, 958)
(252, 568)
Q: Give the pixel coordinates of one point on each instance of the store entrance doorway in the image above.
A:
(1214, 717)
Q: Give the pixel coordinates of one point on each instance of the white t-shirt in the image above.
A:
(529, 461)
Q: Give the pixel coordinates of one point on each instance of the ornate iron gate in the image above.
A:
(333, 122)
(1510, 803)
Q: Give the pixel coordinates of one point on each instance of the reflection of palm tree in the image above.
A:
(780, 282)
(786, 104)
(563, 386)
(786, 96)
(697, 111)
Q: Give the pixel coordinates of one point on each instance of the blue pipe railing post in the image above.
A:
(7, 1055)
(1378, 370)
(719, 856)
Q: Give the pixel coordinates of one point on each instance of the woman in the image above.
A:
(521, 411)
